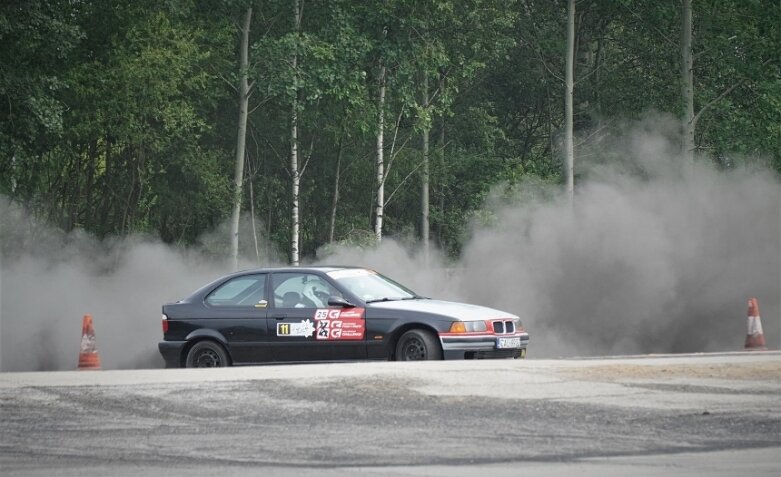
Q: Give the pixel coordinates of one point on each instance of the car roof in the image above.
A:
(318, 268)
(209, 286)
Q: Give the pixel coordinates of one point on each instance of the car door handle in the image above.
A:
(280, 317)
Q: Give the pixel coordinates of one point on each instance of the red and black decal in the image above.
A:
(336, 324)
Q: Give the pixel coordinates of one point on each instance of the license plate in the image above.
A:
(503, 343)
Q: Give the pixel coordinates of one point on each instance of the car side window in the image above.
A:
(247, 290)
(301, 290)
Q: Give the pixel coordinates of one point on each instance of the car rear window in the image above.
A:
(240, 291)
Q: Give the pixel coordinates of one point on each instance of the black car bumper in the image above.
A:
(172, 353)
(483, 346)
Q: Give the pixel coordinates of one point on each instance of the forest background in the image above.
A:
(607, 170)
(360, 118)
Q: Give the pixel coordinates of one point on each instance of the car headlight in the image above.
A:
(518, 324)
(468, 327)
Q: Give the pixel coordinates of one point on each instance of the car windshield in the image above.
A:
(370, 286)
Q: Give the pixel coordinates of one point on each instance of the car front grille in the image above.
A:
(504, 327)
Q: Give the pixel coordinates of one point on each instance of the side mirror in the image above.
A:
(339, 301)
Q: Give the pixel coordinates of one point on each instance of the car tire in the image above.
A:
(207, 354)
(418, 345)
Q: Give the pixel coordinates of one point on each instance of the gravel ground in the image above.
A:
(396, 418)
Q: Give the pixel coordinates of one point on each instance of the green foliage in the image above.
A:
(38, 38)
(120, 117)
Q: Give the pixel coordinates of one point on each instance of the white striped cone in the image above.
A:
(755, 338)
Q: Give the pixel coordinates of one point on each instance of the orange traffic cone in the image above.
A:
(755, 338)
(88, 353)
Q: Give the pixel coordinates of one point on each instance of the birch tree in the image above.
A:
(295, 173)
(425, 176)
(727, 56)
(380, 159)
(569, 79)
(337, 184)
(687, 81)
(241, 140)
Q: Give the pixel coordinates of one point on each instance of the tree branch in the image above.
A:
(232, 86)
(308, 156)
(658, 31)
(393, 145)
(401, 184)
(718, 98)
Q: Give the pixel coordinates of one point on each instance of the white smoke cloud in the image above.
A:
(656, 256)
(662, 259)
(49, 280)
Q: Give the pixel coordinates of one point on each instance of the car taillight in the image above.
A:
(165, 324)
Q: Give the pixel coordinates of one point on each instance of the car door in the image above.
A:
(304, 328)
(240, 308)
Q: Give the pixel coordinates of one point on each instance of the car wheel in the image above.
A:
(418, 345)
(207, 354)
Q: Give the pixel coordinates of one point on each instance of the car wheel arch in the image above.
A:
(206, 333)
(190, 344)
(399, 332)
(200, 335)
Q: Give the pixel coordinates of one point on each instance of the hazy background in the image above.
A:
(656, 256)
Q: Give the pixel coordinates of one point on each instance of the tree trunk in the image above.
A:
(687, 82)
(241, 139)
(425, 177)
(89, 218)
(296, 184)
(76, 195)
(105, 201)
(335, 201)
(295, 174)
(442, 169)
(569, 144)
(380, 165)
(252, 215)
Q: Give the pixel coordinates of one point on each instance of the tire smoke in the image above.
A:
(49, 280)
(654, 256)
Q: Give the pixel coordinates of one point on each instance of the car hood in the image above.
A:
(456, 311)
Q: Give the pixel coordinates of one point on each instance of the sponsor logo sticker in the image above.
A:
(336, 324)
(305, 328)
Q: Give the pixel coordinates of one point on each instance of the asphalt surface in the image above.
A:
(673, 415)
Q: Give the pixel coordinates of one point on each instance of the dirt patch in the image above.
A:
(739, 371)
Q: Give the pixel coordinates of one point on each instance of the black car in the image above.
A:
(328, 314)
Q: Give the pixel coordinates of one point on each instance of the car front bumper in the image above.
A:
(171, 352)
(482, 346)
